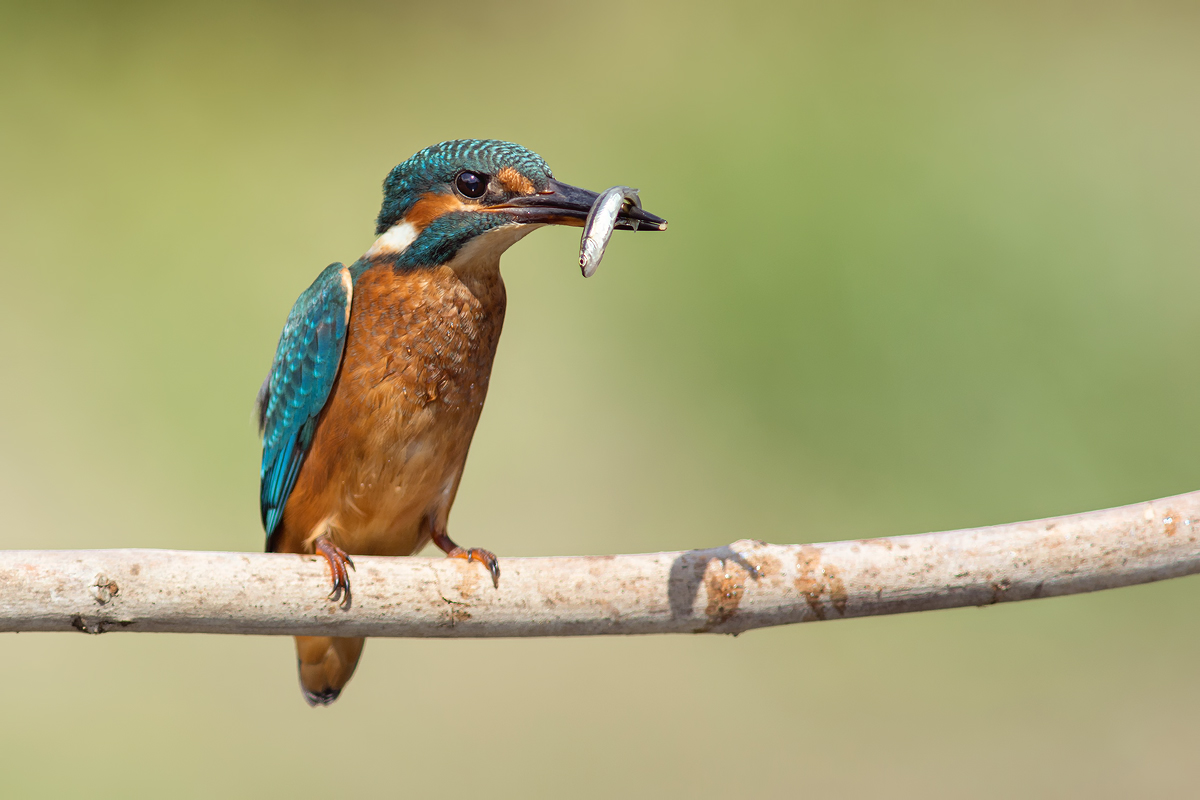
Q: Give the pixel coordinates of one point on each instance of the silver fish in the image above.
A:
(600, 223)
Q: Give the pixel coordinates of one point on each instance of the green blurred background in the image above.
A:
(930, 265)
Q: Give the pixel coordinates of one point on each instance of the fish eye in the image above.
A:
(471, 184)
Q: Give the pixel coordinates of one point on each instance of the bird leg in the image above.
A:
(485, 557)
(338, 561)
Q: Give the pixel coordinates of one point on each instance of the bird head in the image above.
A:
(477, 190)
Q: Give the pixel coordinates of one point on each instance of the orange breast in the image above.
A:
(392, 440)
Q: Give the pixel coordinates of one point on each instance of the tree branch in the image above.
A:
(745, 585)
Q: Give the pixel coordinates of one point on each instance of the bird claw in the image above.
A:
(338, 561)
(485, 557)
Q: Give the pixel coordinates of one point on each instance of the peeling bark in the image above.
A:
(744, 585)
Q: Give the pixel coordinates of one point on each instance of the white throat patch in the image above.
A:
(486, 249)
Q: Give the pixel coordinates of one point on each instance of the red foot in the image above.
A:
(485, 557)
(338, 561)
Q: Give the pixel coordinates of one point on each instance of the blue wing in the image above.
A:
(306, 364)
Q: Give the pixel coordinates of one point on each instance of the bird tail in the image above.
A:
(326, 664)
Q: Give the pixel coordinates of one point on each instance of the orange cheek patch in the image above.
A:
(432, 206)
(514, 181)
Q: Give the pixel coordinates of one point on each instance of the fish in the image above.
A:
(601, 221)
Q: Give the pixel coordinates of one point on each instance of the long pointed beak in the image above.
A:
(563, 204)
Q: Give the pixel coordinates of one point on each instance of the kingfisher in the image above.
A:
(382, 368)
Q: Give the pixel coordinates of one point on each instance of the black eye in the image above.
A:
(471, 184)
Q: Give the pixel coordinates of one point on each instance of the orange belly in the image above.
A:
(390, 444)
